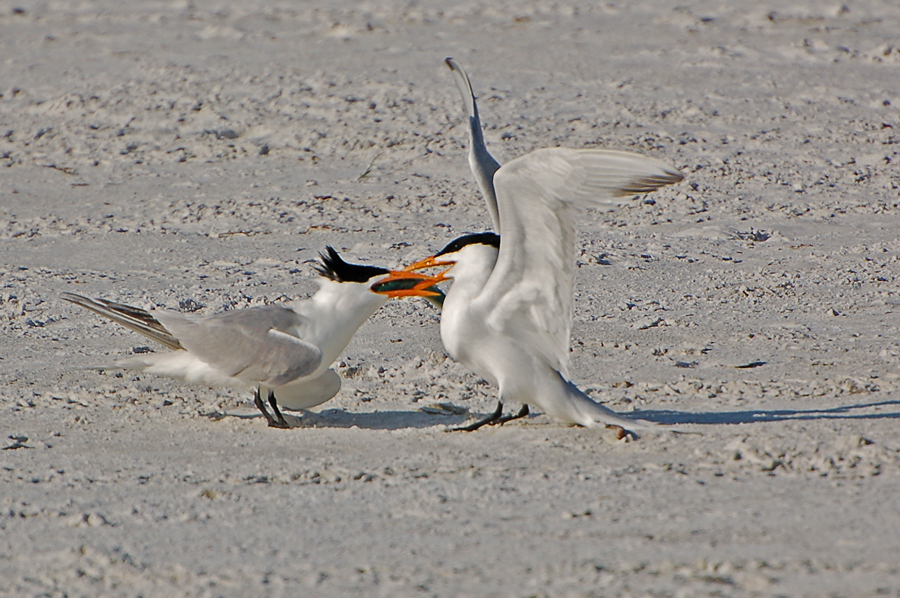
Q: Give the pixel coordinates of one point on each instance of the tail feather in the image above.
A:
(133, 318)
(585, 411)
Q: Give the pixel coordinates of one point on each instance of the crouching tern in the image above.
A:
(507, 315)
(284, 352)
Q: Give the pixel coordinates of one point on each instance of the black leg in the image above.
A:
(257, 400)
(523, 412)
(282, 423)
(491, 419)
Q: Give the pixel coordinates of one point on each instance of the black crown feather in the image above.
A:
(333, 267)
(492, 239)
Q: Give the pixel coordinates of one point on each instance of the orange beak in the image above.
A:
(409, 283)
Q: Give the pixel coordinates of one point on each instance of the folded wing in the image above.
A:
(257, 344)
(133, 318)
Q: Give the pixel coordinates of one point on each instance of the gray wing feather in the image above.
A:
(253, 344)
(133, 318)
(481, 162)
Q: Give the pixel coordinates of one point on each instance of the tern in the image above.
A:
(508, 313)
(530, 316)
(282, 351)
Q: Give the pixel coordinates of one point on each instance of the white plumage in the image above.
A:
(508, 314)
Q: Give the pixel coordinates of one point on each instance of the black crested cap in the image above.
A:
(334, 268)
(492, 239)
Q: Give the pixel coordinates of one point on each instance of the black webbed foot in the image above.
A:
(523, 412)
(494, 419)
(489, 420)
(279, 418)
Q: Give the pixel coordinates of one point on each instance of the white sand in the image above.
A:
(132, 171)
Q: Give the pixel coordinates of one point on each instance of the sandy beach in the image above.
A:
(197, 156)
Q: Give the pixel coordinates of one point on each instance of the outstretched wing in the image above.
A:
(540, 197)
(257, 344)
(481, 162)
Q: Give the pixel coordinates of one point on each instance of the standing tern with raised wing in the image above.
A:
(274, 350)
(508, 313)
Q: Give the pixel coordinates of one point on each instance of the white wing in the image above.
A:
(251, 344)
(481, 162)
(540, 196)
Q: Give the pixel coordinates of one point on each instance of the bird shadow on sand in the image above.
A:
(399, 420)
(375, 420)
(752, 416)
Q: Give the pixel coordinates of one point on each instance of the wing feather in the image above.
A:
(540, 196)
(133, 318)
(482, 163)
(257, 344)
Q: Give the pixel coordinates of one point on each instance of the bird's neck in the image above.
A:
(471, 273)
(335, 312)
(463, 310)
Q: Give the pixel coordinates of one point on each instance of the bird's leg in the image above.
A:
(257, 400)
(523, 412)
(273, 422)
(279, 419)
(489, 420)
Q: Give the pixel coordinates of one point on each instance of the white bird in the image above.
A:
(284, 351)
(508, 314)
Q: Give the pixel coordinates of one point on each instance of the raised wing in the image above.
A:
(481, 162)
(254, 344)
(540, 197)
